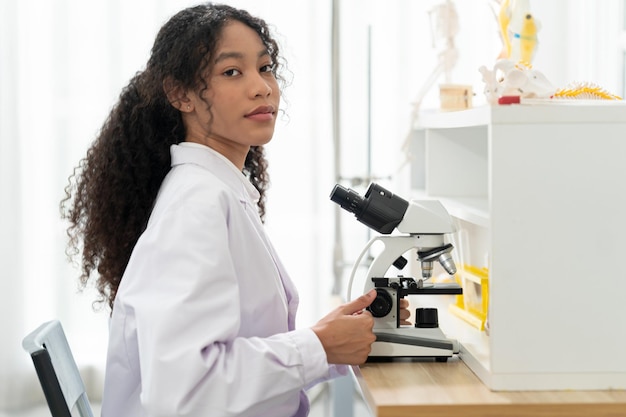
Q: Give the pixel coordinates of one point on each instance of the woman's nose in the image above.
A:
(261, 87)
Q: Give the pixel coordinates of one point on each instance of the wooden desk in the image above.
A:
(450, 389)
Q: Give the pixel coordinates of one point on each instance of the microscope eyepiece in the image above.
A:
(348, 199)
(380, 209)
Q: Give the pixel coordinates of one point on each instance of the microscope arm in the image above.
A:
(395, 247)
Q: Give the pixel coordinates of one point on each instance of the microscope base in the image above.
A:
(411, 342)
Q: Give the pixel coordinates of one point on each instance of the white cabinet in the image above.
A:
(540, 190)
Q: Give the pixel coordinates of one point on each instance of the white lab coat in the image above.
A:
(203, 322)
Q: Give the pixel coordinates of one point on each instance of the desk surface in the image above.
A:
(451, 389)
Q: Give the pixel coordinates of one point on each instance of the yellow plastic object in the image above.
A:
(586, 91)
(518, 30)
(504, 18)
(527, 39)
(473, 305)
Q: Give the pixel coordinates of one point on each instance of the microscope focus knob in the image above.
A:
(382, 305)
(426, 318)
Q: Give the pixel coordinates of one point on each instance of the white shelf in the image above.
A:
(539, 191)
(436, 119)
(556, 111)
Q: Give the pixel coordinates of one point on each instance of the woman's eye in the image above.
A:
(267, 68)
(232, 72)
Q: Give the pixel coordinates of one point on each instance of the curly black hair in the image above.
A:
(111, 192)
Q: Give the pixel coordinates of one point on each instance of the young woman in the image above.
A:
(166, 211)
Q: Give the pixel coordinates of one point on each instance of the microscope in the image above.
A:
(423, 225)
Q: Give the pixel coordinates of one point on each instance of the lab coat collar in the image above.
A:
(218, 164)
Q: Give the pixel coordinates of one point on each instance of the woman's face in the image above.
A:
(243, 94)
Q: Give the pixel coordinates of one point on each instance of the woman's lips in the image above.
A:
(261, 117)
(262, 113)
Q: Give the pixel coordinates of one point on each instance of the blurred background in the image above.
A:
(355, 68)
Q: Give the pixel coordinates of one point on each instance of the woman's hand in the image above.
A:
(346, 333)
(405, 313)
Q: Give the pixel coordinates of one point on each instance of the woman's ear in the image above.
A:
(177, 95)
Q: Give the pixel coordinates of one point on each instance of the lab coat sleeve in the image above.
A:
(184, 295)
